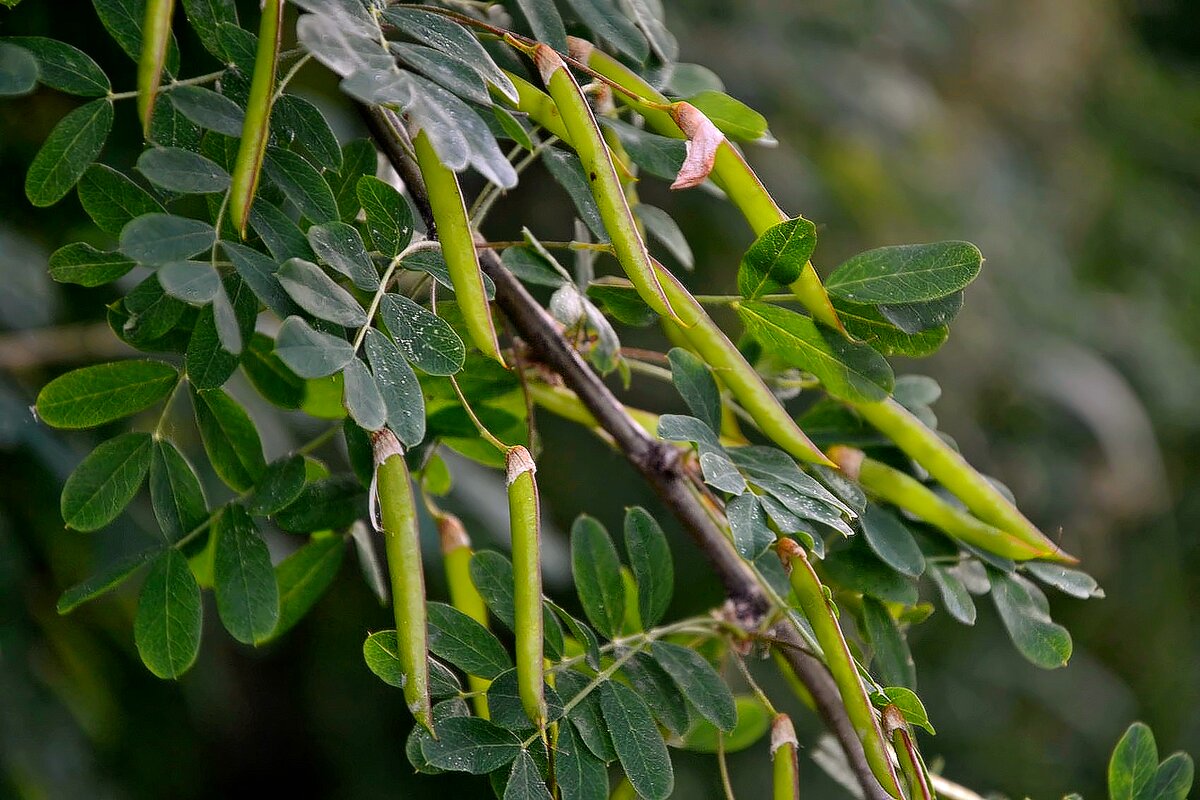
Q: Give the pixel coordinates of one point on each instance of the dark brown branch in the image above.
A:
(656, 461)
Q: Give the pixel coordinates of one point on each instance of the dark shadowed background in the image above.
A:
(1061, 137)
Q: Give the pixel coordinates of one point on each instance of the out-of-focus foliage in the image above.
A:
(1060, 137)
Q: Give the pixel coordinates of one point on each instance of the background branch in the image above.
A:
(657, 462)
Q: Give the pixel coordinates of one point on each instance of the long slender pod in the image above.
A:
(820, 614)
(906, 492)
(588, 141)
(785, 760)
(156, 38)
(912, 766)
(402, 543)
(456, 558)
(525, 521)
(458, 246)
(730, 171)
(257, 123)
(712, 345)
(951, 470)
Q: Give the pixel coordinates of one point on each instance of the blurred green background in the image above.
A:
(1062, 137)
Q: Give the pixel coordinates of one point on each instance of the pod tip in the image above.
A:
(452, 533)
(547, 60)
(579, 49)
(384, 445)
(783, 733)
(517, 461)
(848, 459)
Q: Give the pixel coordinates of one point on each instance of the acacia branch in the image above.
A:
(658, 462)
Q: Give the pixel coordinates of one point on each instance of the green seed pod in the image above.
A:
(916, 776)
(588, 141)
(456, 557)
(566, 404)
(458, 246)
(257, 124)
(730, 171)
(525, 521)
(711, 344)
(951, 470)
(156, 38)
(393, 494)
(784, 758)
(904, 491)
(820, 614)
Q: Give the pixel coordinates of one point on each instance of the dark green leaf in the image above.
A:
(696, 385)
(170, 128)
(753, 722)
(545, 22)
(1173, 779)
(1069, 581)
(621, 301)
(955, 597)
(698, 682)
(525, 781)
(381, 652)
(776, 258)
(506, 708)
(426, 339)
(608, 23)
(162, 238)
(179, 170)
(152, 314)
(1134, 762)
(892, 542)
(659, 225)
(389, 219)
(69, 150)
(492, 575)
(270, 376)
(583, 634)
(655, 686)
(567, 170)
(580, 774)
(301, 184)
(195, 282)
(914, 318)
(1022, 609)
(597, 573)
(470, 744)
(247, 595)
(320, 295)
(748, 523)
(362, 398)
(586, 716)
(455, 75)
(278, 232)
(530, 266)
(311, 353)
(91, 396)
(167, 626)
(465, 643)
(123, 21)
(512, 128)
(85, 265)
(340, 246)
(104, 581)
(865, 322)
(640, 748)
(326, 504)
(309, 128)
(358, 159)
(910, 706)
(858, 570)
(209, 361)
(452, 39)
(230, 439)
(304, 576)
(846, 369)
(650, 561)
(209, 110)
(893, 660)
(175, 492)
(279, 486)
(733, 117)
(18, 71)
(913, 273)
(258, 271)
(206, 17)
(112, 200)
(63, 67)
(398, 384)
(106, 481)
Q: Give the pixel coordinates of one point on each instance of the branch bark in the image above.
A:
(655, 460)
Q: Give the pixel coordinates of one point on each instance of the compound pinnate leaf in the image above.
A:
(92, 396)
(470, 744)
(175, 492)
(311, 353)
(846, 369)
(167, 626)
(776, 258)
(65, 68)
(106, 481)
(162, 238)
(318, 294)
(230, 439)
(597, 573)
(650, 561)
(247, 595)
(67, 152)
(911, 273)
(698, 682)
(389, 219)
(640, 747)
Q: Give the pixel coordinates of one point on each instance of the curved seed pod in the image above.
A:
(951, 470)
(257, 124)
(906, 492)
(731, 367)
(729, 171)
(525, 521)
(393, 492)
(156, 38)
(628, 245)
(456, 557)
(916, 776)
(784, 757)
(817, 610)
(458, 246)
